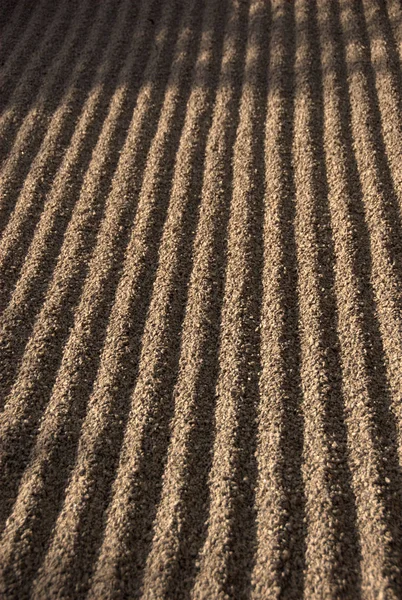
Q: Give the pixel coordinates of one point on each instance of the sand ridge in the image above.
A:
(201, 299)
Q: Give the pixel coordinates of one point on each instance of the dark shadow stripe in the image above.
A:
(346, 569)
(196, 499)
(29, 29)
(243, 535)
(292, 542)
(18, 330)
(7, 12)
(21, 94)
(23, 156)
(107, 456)
(15, 18)
(71, 185)
(385, 435)
(145, 496)
(393, 65)
(20, 442)
(391, 205)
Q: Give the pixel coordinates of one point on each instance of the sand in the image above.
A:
(201, 299)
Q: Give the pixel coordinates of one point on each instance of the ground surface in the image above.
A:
(201, 276)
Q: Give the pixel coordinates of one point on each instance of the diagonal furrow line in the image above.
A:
(57, 312)
(25, 45)
(19, 27)
(110, 245)
(17, 319)
(388, 88)
(109, 402)
(76, 251)
(280, 501)
(62, 40)
(370, 423)
(177, 539)
(46, 177)
(152, 403)
(45, 134)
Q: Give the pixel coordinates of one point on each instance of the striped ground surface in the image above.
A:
(201, 307)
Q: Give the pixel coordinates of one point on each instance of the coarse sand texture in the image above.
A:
(201, 299)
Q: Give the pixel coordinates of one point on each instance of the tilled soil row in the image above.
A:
(201, 299)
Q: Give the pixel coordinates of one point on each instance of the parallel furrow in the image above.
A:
(40, 80)
(382, 220)
(18, 318)
(55, 318)
(177, 538)
(382, 204)
(329, 505)
(387, 73)
(58, 101)
(42, 190)
(109, 404)
(17, 47)
(85, 342)
(227, 556)
(57, 313)
(17, 20)
(77, 246)
(200, 299)
(137, 487)
(279, 498)
(388, 79)
(370, 432)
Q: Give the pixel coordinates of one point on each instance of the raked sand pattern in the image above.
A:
(201, 299)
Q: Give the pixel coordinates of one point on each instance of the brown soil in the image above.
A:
(201, 299)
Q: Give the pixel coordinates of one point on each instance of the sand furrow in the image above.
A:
(388, 78)
(227, 556)
(126, 321)
(280, 552)
(23, 45)
(27, 99)
(17, 21)
(129, 305)
(175, 540)
(137, 487)
(369, 452)
(89, 309)
(59, 203)
(387, 75)
(55, 104)
(200, 299)
(53, 436)
(78, 241)
(18, 165)
(329, 500)
(381, 201)
(79, 344)
(110, 245)
(47, 176)
(331, 539)
(381, 215)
